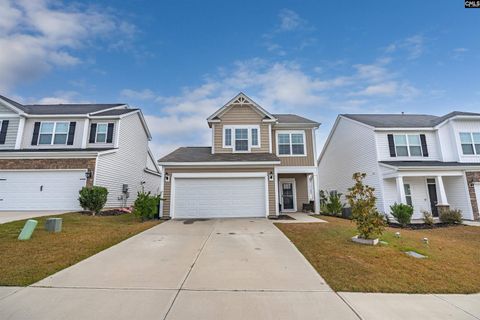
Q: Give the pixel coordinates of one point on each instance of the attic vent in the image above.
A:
(241, 100)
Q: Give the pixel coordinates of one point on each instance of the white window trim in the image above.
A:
(53, 133)
(408, 195)
(290, 132)
(474, 154)
(408, 145)
(96, 132)
(249, 128)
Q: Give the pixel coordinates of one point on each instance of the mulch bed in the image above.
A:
(110, 212)
(422, 226)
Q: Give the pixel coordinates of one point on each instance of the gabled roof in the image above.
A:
(63, 109)
(293, 119)
(204, 154)
(405, 120)
(241, 99)
(114, 112)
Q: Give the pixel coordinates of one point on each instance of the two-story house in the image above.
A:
(259, 165)
(426, 161)
(49, 152)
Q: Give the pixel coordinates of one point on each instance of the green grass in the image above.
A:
(452, 266)
(25, 262)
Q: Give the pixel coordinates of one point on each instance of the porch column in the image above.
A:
(442, 195)
(277, 198)
(316, 193)
(401, 190)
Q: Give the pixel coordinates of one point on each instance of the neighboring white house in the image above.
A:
(426, 161)
(49, 152)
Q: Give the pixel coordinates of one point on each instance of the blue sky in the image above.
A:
(181, 60)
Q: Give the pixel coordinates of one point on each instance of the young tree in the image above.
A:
(361, 198)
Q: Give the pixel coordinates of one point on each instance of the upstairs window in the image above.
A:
(101, 136)
(291, 143)
(408, 145)
(53, 133)
(470, 143)
(241, 138)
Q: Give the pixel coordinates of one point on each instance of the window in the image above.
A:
(241, 139)
(254, 137)
(470, 143)
(408, 145)
(53, 133)
(408, 194)
(101, 135)
(291, 143)
(228, 137)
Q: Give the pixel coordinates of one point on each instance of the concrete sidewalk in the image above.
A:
(9, 216)
(215, 269)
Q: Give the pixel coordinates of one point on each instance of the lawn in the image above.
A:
(452, 266)
(25, 262)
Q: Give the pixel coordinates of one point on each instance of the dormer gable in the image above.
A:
(241, 103)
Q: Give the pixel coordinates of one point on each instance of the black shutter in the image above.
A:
(36, 131)
(3, 131)
(391, 145)
(423, 140)
(71, 133)
(93, 132)
(110, 133)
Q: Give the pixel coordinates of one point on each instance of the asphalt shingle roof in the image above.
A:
(204, 154)
(293, 118)
(428, 164)
(115, 112)
(404, 120)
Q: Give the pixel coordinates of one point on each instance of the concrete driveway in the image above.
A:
(214, 269)
(9, 216)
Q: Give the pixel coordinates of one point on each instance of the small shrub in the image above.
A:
(402, 213)
(428, 218)
(93, 198)
(146, 205)
(361, 198)
(334, 204)
(451, 216)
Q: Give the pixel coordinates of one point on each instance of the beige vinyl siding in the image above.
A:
(308, 160)
(301, 185)
(28, 133)
(169, 170)
(12, 130)
(238, 115)
(127, 164)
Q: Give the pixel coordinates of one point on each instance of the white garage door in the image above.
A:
(40, 190)
(219, 197)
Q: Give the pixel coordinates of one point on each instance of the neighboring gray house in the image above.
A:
(49, 152)
(426, 161)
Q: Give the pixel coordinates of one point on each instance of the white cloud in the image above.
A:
(414, 46)
(36, 36)
(145, 94)
(388, 88)
(290, 20)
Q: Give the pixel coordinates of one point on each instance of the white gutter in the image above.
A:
(220, 163)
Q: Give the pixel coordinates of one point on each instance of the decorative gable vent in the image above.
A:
(241, 100)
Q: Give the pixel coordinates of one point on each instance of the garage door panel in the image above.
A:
(219, 197)
(40, 190)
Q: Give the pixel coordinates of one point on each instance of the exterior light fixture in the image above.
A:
(88, 174)
(270, 176)
(167, 177)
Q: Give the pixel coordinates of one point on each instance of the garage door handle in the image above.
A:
(41, 188)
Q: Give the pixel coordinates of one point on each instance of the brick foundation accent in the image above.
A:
(18, 164)
(441, 208)
(473, 177)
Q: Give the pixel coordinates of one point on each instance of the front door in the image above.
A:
(288, 203)
(432, 194)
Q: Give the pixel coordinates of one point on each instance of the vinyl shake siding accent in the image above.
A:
(12, 130)
(351, 149)
(169, 170)
(126, 166)
(240, 115)
(308, 160)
